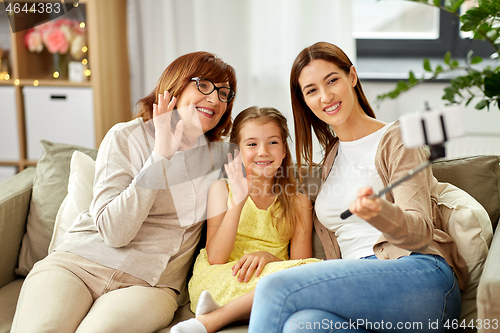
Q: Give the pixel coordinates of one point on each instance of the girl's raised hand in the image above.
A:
(252, 262)
(240, 185)
(365, 207)
(166, 142)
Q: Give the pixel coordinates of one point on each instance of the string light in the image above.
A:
(85, 61)
(7, 76)
(35, 83)
(17, 82)
(82, 25)
(87, 72)
(56, 74)
(85, 49)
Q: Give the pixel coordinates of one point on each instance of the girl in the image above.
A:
(254, 223)
(365, 291)
(124, 262)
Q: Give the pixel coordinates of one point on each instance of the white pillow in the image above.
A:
(470, 226)
(80, 193)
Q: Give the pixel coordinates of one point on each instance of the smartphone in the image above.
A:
(432, 127)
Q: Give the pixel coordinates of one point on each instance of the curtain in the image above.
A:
(259, 38)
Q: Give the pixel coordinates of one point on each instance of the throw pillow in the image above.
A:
(478, 176)
(49, 190)
(469, 225)
(80, 193)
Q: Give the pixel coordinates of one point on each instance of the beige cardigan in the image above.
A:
(415, 223)
(147, 214)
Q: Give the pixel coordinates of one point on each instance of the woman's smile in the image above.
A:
(333, 108)
(206, 111)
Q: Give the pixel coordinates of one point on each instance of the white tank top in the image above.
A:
(353, 169)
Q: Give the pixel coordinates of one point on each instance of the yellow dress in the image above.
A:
(255, 233)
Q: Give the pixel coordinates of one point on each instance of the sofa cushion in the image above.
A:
(49, 191)
(15, 196)
(80, 194)
(469, 225)
(478, 175)
(8, 301)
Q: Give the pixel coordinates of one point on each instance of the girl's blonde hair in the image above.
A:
(284, 215)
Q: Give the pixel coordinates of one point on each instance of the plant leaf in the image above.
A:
(473, 17)
(449, 94)
(492, 85)
(447, 58)
(412, 79)
(427, 65)
(469, 56)
(456, 5)
(482, 104)
(402, 86)
(476, 60)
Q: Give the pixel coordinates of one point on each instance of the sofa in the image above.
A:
(30, 204)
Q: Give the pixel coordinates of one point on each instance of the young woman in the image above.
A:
(255, 224)
(123, 264)
(400, 270)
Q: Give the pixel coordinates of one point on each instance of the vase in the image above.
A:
(61, 66)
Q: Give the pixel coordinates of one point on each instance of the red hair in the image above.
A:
(177, 76)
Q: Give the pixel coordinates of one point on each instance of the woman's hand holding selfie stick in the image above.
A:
(390, 186)
(431, 128)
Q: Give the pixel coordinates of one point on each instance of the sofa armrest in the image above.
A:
(15, 196)
(488, 292)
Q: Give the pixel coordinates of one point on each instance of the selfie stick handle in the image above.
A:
(390, 186)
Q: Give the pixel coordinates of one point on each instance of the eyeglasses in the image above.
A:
(206, 87)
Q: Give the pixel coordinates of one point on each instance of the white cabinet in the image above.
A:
(9, 135)
(59, 115)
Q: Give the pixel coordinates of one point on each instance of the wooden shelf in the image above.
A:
(9, 163)
(105, 21)
(53, 83)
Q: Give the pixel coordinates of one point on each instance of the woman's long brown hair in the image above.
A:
(285, 216)
(303, 117)
(177, 76)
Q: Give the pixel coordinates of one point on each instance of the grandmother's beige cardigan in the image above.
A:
(410, 220)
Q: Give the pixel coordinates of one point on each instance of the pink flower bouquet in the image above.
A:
(58, 36)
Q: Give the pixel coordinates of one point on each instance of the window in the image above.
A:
(385, 28)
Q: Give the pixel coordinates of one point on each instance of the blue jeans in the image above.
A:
(416, 293)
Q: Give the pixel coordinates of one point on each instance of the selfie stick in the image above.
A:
(390, 186)
(437, 151)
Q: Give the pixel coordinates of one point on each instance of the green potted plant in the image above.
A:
(481, 85)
